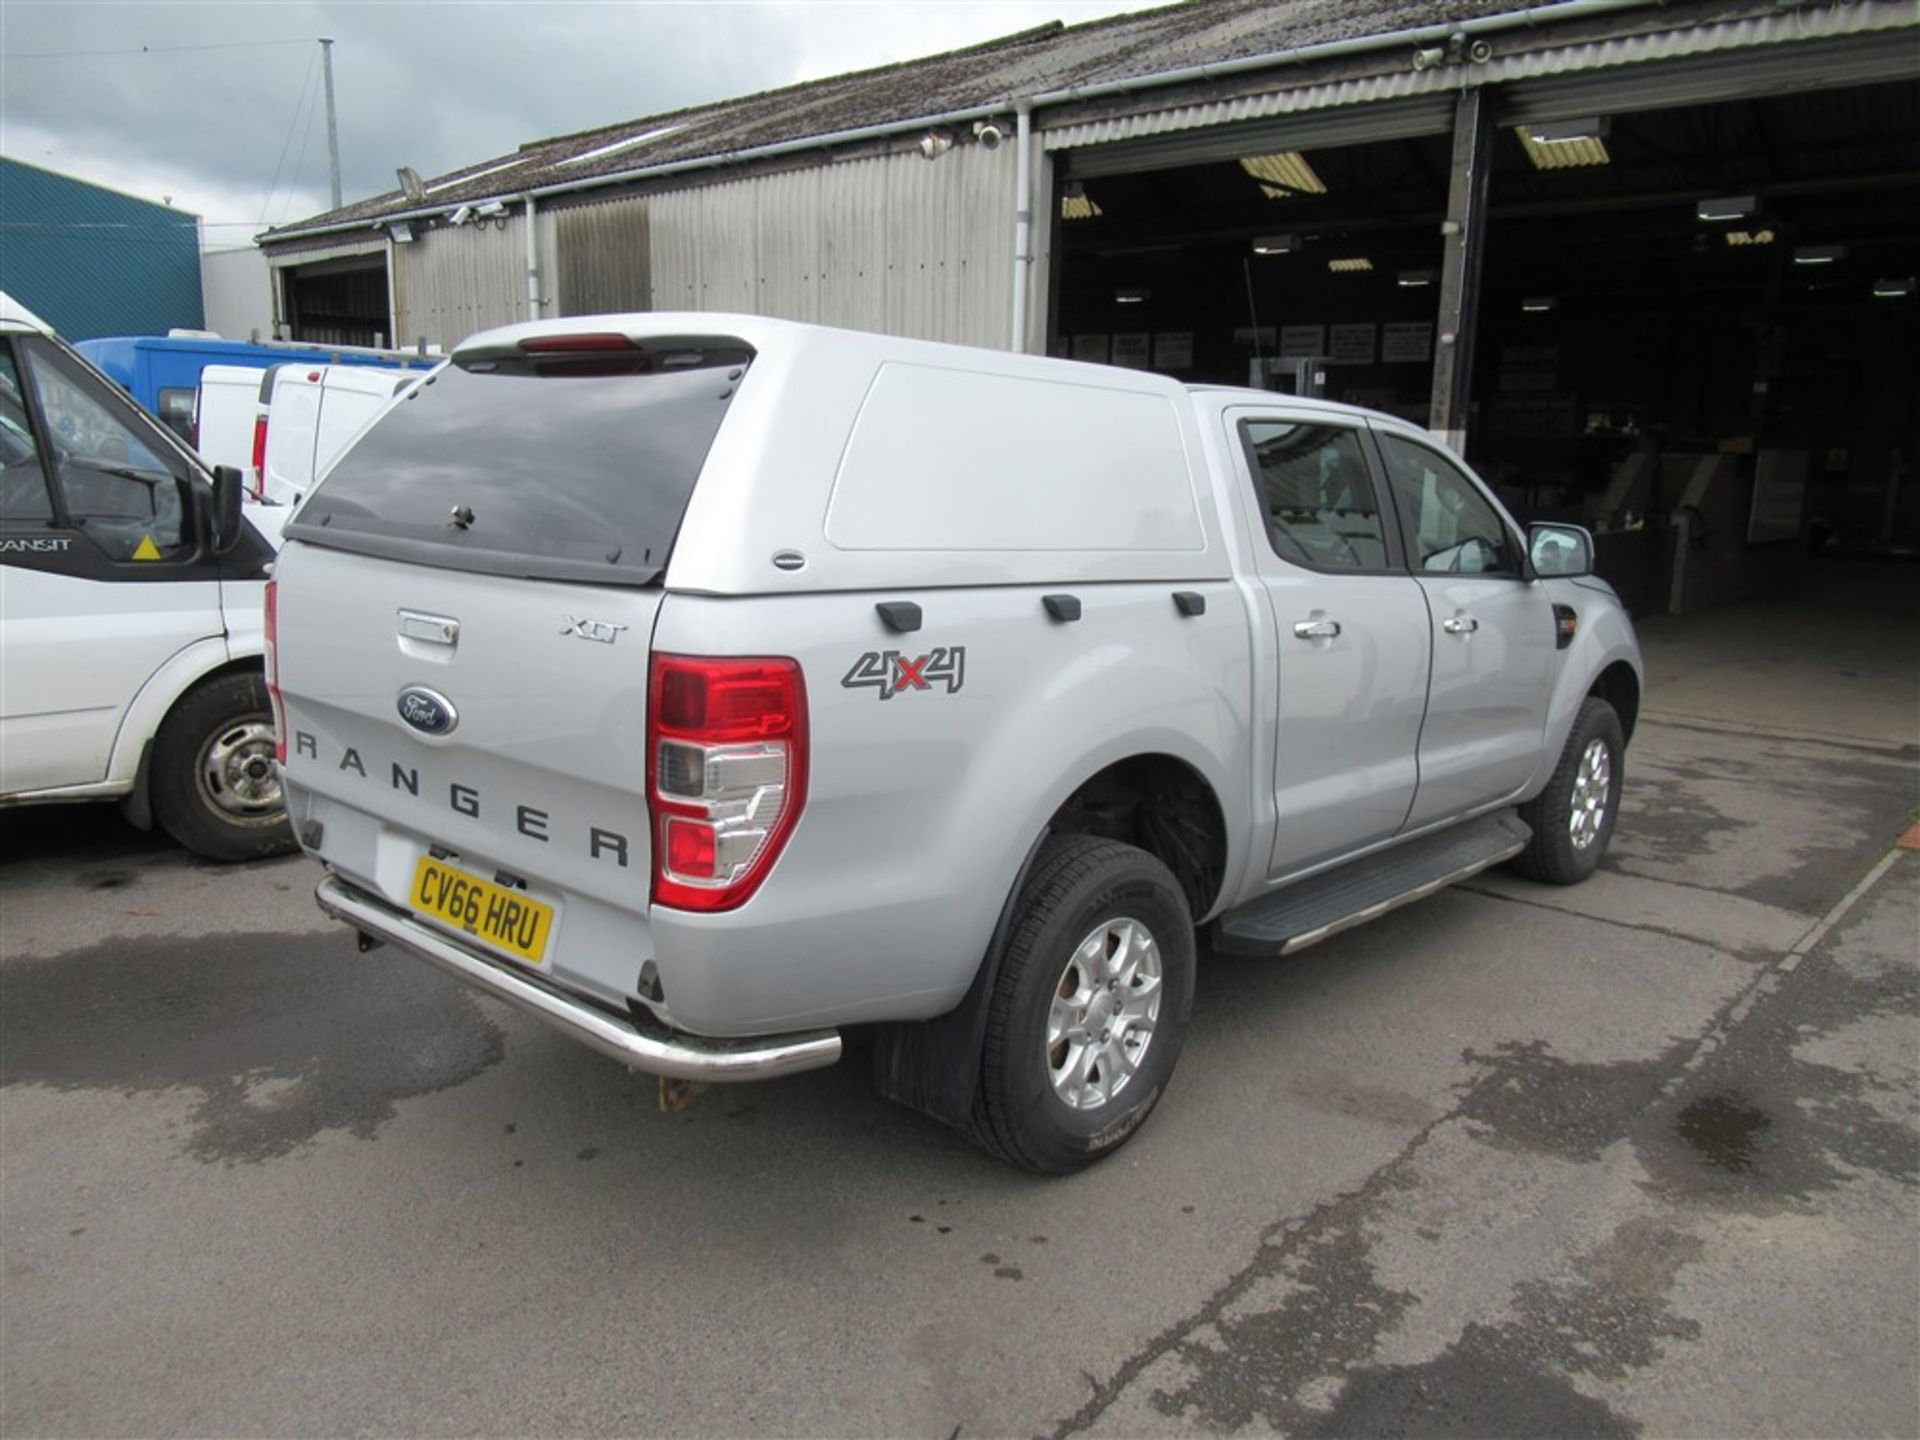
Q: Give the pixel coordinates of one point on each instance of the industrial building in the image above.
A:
(1651, 264)
(92, 261)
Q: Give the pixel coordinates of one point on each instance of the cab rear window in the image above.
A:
(565, 465)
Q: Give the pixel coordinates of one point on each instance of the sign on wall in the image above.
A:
(1173, 350)
(1302, 342)
(1352, 344)
(1090, 347)
(1407, 341)
(1133, 349)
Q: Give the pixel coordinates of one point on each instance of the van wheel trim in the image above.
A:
(236, 778)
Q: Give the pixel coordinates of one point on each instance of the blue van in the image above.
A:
(162, 372)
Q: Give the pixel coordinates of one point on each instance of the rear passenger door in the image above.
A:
(1351, 629)
(1493, 634)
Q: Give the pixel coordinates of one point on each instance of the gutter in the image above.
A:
(1527, 17)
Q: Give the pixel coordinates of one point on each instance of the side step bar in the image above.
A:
(1308, 912)
(663, 1052)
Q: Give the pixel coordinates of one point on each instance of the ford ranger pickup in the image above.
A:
(710, 685)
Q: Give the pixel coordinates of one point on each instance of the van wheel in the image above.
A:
(215, 787)
(1573, 817)
(1089, 1008)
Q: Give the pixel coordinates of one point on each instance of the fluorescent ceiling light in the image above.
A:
(1415, 279)
(1749, 237)
(1276, 244)
(1285, 174)
(1076, 204)
(1565, 144)
(1893, 289)
(1819, 254)
(1352, 265)
(1727, 207)
(1540, 304)
(1131, 295)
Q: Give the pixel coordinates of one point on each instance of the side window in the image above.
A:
(176, 412)
(23, 484)
(118, 491)
(1319, 499)
(1451, 529)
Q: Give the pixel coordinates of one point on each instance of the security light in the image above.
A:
(1727, 207)
(401, 232)
(1540, 304)
(1415, 279)
(1276, 244)
(1893, 289)
(1131, 295)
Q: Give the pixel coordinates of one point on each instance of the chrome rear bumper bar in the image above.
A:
(679, 1057)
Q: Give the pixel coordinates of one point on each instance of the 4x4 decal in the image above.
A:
(891, 672)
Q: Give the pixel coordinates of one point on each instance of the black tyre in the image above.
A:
(1090, 1006)
(1573, 817)
(214, 785)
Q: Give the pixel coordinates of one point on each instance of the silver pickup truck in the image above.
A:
(708, 684)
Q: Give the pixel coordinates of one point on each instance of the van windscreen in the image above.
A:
(552, 465)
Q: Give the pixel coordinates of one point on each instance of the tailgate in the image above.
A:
(538, 781)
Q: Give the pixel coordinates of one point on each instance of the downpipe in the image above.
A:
(1022, 221)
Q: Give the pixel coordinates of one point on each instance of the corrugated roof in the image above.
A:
(1050, 59)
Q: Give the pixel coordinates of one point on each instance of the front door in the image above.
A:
(1493, 635)
(1350, 626)
(101, 576)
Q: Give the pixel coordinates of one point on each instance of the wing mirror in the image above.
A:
(227, 522)
(1559, 552)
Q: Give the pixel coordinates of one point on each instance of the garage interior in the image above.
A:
(342, 301)
(1693, 329)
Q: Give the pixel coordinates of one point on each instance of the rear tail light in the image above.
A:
(273, 672)
(259, 456)
(726, 774)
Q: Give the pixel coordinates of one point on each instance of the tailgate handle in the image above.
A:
(433, 629)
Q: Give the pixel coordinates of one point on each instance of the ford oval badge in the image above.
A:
(427, 711)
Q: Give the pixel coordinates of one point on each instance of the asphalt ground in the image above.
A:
(1636, 1157)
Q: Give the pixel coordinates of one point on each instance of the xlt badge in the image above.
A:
(605, 631)
(427, 711)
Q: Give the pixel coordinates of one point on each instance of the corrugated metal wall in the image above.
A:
(91, 261)
(450, 281)
(895, 243)
(600, 264)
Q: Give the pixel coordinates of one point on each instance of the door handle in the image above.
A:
(1460, 625)
(1316, 629)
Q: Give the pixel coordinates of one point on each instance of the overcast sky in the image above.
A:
(209, 103)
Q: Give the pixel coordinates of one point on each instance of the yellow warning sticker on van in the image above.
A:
(146, 549)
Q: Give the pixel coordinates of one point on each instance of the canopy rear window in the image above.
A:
(571, 463)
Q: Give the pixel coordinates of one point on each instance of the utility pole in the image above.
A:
(333, 130)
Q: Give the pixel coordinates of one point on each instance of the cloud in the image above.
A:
(430, 84)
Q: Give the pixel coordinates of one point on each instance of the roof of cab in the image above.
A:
(15, 316)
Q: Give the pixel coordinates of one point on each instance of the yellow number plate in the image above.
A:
(506, 919)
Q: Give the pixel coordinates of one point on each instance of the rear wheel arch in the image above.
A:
(1162, 805)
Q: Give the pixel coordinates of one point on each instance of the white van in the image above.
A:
(312, 413)
(131, 597)
(230, 419)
